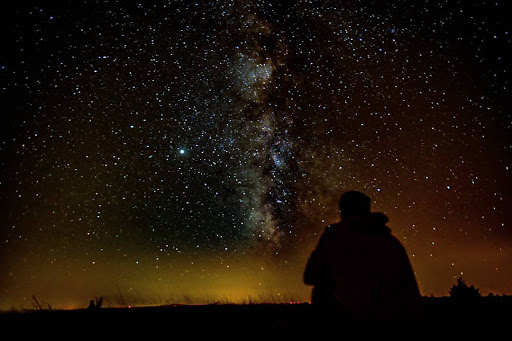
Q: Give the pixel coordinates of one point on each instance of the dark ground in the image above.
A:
(438, 316)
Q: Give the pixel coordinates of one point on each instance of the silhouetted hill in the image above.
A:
(488, 314)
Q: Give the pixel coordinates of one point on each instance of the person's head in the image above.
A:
(353, 203)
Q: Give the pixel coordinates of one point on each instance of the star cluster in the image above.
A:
(200, 147)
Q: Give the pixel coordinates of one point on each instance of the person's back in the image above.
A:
(361, 268)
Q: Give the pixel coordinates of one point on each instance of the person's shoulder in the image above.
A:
(395, 242)
(335, 227)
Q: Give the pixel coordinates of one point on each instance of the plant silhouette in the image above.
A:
(462, 292)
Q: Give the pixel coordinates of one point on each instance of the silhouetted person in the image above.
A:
(359, 268)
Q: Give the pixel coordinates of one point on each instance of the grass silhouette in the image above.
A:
(255, 315)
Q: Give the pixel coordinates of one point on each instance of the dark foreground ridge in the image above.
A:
(488, 314)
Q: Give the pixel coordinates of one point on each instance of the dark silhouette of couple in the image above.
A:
(359, 268)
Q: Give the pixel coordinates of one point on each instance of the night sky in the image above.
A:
(184, 152)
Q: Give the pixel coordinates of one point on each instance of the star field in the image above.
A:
(198, 149)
